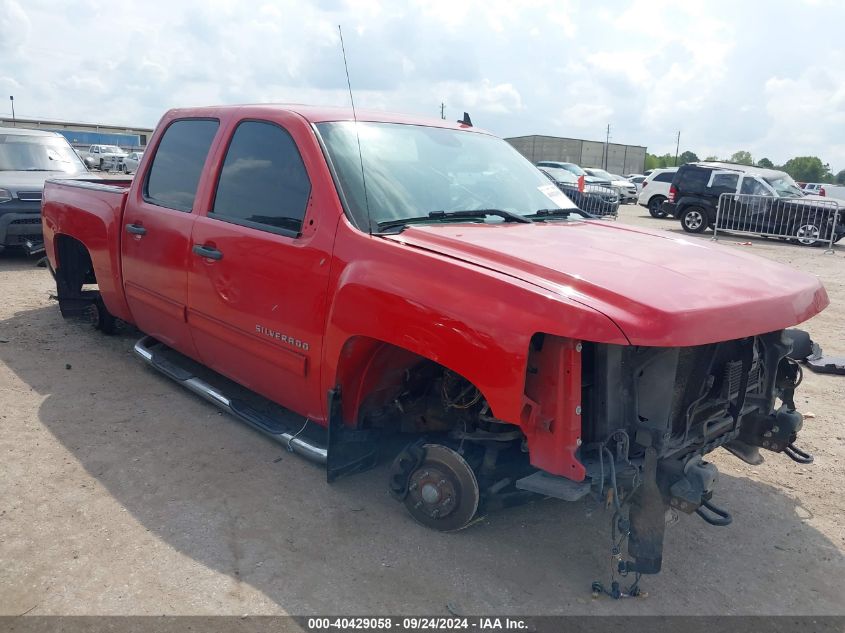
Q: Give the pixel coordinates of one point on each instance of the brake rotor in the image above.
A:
(443, 491)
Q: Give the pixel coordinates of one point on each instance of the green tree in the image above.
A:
(839, 179)
(687, 157)
(742, 157)
(711, 159)
(807, 169)
(765, 162)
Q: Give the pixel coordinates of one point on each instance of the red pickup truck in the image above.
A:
(416, 291)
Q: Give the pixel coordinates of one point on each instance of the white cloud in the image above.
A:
(726, 74)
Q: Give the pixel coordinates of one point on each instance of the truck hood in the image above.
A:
(660, 289)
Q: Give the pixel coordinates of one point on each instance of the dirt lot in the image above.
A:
(120, 493)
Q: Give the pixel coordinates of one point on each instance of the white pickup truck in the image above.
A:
(106, 157)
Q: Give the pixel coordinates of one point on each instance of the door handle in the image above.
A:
(136, 229)
(207, 251)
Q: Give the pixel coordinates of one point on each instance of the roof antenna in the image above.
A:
(357, 136)
(466, 120)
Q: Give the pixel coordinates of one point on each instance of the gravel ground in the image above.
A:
(120, 493)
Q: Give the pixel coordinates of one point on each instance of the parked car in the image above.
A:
(574, 169)
(766, 201)
(597, 200)
(106, 156)
(27, 159)
(627, 189)
(130, 163)
(431, 284)
(815, 188)
(833, 191)
(637, 179)
(654, 191)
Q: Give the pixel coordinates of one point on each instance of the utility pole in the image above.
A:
(12, 99)
(606, 146)
(677, 147)
(442, 110)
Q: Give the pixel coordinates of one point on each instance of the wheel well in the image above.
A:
(73, 266)
(384, 385)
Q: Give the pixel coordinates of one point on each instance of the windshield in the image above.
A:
(785, 187)
(561, 175)
(574, 169)
(413, 170)
(601, 173)
(112, 149)
(38, 153)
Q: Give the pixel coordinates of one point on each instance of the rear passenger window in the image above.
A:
(693, 180)
(178, 162)
(725, 181)
(665, 176)
(263, 183)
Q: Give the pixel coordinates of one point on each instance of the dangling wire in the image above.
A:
(295, 435)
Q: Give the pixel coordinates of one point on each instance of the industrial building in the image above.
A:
(621, 159)
(82, 135)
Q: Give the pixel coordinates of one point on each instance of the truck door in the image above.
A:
(260, 265)
(156, 241)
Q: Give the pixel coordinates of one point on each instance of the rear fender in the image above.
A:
(690, 201)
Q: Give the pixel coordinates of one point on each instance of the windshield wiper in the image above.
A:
(448, 215)
(557, 213)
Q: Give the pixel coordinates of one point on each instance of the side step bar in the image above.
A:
(145, 349)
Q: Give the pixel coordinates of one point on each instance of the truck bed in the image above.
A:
(91, 211)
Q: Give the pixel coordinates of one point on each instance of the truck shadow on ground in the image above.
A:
(217, 492)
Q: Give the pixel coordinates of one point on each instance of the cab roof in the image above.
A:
(323, 114)
(745, 169)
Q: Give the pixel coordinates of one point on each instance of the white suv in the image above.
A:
(655, 191)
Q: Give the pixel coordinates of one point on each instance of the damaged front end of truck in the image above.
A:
(651, 415)
(627, 426)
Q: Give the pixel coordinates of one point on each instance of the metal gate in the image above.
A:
(810, 222)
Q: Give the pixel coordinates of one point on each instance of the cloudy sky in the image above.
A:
(765, 76)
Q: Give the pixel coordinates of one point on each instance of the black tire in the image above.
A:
(101, 318)
(654, 207)
(694, 220)
(101, 164)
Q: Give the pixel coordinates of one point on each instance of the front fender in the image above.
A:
(472, 320)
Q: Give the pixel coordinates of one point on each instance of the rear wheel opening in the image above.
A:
(74, 272)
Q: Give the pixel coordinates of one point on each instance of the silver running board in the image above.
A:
(296, 444)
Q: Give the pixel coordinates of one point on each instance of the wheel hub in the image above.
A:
(694, 219)
(808, 234)
(433, 491)
(442, 491)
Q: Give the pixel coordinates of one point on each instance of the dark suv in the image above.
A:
(27, 159)
(764, 201)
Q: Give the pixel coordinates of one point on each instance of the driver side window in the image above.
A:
(753, 187)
